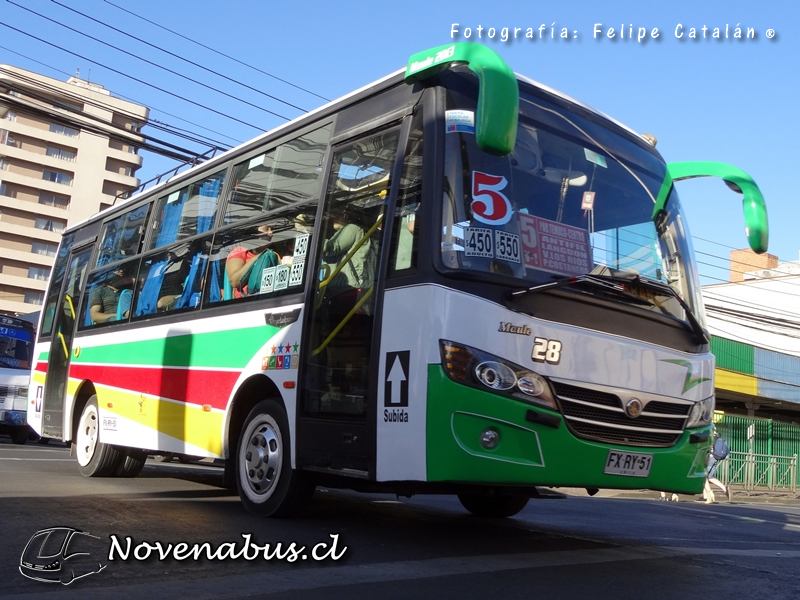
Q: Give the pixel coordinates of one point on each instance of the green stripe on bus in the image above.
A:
(220, 349)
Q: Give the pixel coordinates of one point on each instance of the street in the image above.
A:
(350, 545)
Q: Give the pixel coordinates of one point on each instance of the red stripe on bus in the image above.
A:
(41, 366)
(193, 386)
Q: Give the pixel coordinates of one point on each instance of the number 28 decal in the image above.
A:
(489, 204)
(546, 351)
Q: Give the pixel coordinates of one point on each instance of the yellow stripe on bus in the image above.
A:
(186, 422)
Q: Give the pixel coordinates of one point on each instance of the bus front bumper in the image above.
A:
(529, 450)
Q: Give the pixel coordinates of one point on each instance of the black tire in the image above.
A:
(165, 457)
(132, 462)
(95, 459)
(267, 484)
(496, 507)
(20, 435)
(44, 441)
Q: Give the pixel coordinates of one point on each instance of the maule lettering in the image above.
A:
(511, 328)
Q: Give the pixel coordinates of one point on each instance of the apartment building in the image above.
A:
(67, 150)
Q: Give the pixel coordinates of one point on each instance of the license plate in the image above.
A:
(630, 464)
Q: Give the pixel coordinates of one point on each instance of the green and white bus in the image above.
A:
(454, 280)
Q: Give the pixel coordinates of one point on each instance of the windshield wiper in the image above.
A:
(615, 284)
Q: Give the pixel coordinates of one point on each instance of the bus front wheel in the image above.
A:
(497, 506)
(95, 459)
(268, 486)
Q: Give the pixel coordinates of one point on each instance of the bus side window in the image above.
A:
(186, 212)
(172, 280)
(267, 257)
(106, 289)
(404, 237)
(283, 176)
(122, 237)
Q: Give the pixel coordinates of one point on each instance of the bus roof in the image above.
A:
(372, 87)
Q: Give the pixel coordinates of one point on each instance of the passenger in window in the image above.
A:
(105, 298)
(244, 266)
(349, 230)
(405, 243)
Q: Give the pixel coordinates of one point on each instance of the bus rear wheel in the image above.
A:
(132, 462)
(95, 459)
(267, 484)
(498, 506)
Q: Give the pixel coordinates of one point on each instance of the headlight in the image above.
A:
(470, 366)
(701, 413)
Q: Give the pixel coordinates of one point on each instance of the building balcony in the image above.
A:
(18, 308)
(34, 260)
(126, 157)
(23, 283)
(38, 184)
(41, 210)
(124, 180)
(41, 134)
(51, 162)
(31, 232)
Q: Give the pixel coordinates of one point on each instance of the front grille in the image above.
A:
(598, 415)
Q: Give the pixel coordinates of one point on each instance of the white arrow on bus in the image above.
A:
(396, 377)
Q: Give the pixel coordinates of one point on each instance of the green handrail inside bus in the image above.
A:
(498, 97)
(755, 210)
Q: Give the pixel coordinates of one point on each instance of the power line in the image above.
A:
(87, 101)
(135, 101)
(177, 56)
(131, 54)
(249, 66)
(257, 128)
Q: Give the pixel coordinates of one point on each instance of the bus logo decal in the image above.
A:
(511, 328)
(282, 319)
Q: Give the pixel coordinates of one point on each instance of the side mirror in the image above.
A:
(755, 210)
(498, 97)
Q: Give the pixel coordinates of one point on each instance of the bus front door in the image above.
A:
(57, 378)
(338, 379)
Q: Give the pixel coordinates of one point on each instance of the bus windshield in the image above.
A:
(573, 198)
(15, 347)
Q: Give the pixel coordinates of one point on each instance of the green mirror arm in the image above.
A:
(755, 210)
(498, 97)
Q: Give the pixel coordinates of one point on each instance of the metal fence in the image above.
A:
(753, 471)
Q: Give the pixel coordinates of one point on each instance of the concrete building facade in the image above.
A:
(67, 151)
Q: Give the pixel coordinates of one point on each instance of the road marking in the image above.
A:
(41, 459)
(738, 517)
(290, 579)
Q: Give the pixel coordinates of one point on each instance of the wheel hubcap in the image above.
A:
(262, 458)
(87, 437)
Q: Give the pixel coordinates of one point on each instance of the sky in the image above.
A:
(726, 99)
